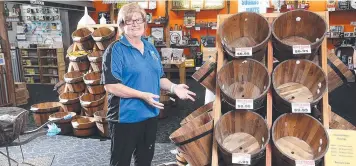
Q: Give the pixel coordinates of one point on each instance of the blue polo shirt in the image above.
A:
(123, 63)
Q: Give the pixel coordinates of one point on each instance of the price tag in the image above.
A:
(157, 23)
(301, 108)
(244, 104)
(301, 49)
(331, 9)
(304, 163)
(197, 9)
(214, 27)
(174, 100)
(241, 158)
(197, 68)
(197, 28)
(245, 51)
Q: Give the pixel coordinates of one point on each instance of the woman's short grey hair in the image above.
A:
(126, 12)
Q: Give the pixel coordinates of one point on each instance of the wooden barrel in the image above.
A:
(205, 108)
(165, 99)
(298, 137)
(70, 100)
(64, 125)
(101, 123)
(338, 73)
(244, 79)
(245, 30)
(59, 87)
(83, 39)
(206, 75)
(92, 103)
(42, 111)
(83, 126)
(297, 81)
(92, 81)
(297, 27)
(244, 132)
(74, 81)
(78, 60)
(194, 139)
(338, 122)
(103, 37)
(95, 59)
(180, 159)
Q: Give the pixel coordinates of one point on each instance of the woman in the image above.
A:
(133, 76)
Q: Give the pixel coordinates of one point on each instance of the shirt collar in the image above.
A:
(126, 42)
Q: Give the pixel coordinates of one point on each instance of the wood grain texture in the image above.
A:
(83, 126)
(101, 123)
(83, 39)
(42, 111)
(92, 82)
(338, 122)
(74, 82)
(92, 103)
(64, 125)
(334, 80)
(70, 100)
(201, 110)
(103, 37)
(210, 81)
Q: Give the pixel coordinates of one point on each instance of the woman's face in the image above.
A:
(136, 26)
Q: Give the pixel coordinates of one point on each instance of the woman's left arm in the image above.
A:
(181, 90)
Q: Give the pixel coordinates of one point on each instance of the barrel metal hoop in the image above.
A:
(212, 67)
(194, 138)
(338, 72)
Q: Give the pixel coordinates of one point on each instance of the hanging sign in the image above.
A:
(257, 6)
(2, 59)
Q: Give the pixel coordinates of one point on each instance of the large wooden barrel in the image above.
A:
(206, 75)
(103, 37)
(92, 103)
(194, 140)
(78, 60)
(298, 137)
(83, 126)
(74, 81)
(205, 108)
(95, 59)
(243, 132)
(244, 79)
(338, 73)
(297, 27)
(70, 100)
(64, 125)
(297, 81)
(83, 39)
(245, 30)
(42, 111)
(92, 81)
(102, 123)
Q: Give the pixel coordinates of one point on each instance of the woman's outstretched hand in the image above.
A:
(150, 99)
(181, 90)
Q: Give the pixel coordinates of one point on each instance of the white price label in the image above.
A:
(241, 158)
(301, 108)
(304, 163)
(157, 23)
(301, 49)
(197, 9)
(197, 68)
(244, 104)
(331, 9)
(197, 28)
(245, 51)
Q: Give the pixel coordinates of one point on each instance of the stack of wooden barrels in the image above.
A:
(297, 83)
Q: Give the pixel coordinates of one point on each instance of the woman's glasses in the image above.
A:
(138, 21)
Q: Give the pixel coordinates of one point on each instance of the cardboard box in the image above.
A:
(19, 85)
(22, 93)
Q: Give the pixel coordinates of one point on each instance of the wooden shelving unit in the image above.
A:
(42, 65)
(324, 104)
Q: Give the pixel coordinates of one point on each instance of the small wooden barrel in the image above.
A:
(92, 103)
(83, 39)
(92, 81)
(95, 59)
(194, 140)
(297, 81)
(42, 111)
(245, 29)
(298, 137)
(242, 131)
(205, 108)
(297, 27)
(206, 75)
(83, 126)
(74, 81)
(64, 125)
(78, 60)
(244, 79)
(338, 73)
(103, 37)
(101, 123)
(70, 100)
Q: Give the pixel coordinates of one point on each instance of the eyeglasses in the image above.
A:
(138, 21)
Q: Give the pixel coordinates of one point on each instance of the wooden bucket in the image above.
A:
(83, 39)
(245, 29)
(92, 103)
(78, 60)
(83, 126)
(242, 131)
(74, 81)
(201, 110)
(95, 59)
(70, 100)
(42, 111)
(103, 37)
(338, 73)
(92, 81)
(194, 140)
(298, 137)
(206, 75)
(244, 79)
(101, 123)
(64, 125)
(297, 81)
(297, 27)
